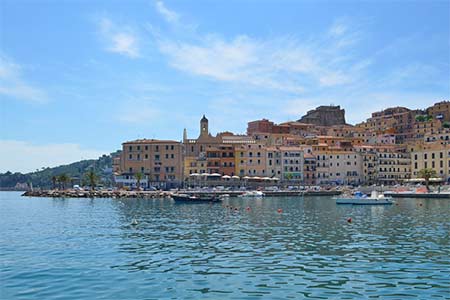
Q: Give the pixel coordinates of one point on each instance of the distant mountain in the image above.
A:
(77, 170)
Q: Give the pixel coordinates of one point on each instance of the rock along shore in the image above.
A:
(161, 194)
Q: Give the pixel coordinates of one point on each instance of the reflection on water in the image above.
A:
(81, 248)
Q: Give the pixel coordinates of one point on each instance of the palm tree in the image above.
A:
(427, 174)
(92, 178)
(63, 179)
(139, 177)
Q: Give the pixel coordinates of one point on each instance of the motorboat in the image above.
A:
(251, 194)
(359, 198)
(195, 198)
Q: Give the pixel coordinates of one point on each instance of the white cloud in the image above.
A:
(13, 85)
(278, 63)
(23, 156)
(169, 15)
(119, 39)
(281, 63)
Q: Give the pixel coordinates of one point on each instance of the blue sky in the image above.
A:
(77, 78)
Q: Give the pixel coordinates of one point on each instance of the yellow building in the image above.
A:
(250, 160)
(159, 161)
(433, 155)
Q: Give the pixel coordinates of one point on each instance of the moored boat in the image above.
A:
(361, 199)
(252, 194)
(194, 198)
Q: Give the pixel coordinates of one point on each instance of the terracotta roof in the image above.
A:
(151, 141)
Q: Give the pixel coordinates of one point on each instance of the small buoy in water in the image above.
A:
(420, 204)
(279, 210)
(248, 208)
(134, 222)
(349, 220)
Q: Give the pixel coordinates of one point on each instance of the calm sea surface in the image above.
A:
(87, 249)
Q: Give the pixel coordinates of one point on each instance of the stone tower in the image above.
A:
(204, 131)
(325, 116)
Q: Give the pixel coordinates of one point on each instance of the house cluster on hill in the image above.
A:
(390, 147)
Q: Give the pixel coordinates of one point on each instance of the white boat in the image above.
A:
(251, 194)
(361, 199)
(224, 196)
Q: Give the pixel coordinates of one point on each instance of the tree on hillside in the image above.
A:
(138, 177)
(63, 179)
(54, 181)
(427, 174)
(92, 179)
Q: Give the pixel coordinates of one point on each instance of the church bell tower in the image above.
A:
(204, 131)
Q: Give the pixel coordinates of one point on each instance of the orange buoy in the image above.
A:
(349, 220)
(279, 210)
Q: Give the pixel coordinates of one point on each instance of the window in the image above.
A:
(172, 147)
(167, 147)
(130, 156)
(146, 156)
(146, 147)
(131, 170)
(130, 148)
(172, 155)
(156, 156)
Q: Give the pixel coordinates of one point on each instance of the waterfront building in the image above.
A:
(292, 163)
(309, 169)
(250, 160)
(337, 165)
(369, 163)
(434, 155)
(273, 162)
(159, 161)
(393, 164)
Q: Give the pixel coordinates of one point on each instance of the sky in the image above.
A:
(78, 78)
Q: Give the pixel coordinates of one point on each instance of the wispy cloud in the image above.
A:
(119, 39)
(283, 63)
(12, 83)
(169, 15)
(23, 156)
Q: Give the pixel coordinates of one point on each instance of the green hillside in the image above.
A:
(43, 178)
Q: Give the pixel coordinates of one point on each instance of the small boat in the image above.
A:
(251, 194)
(361, 199)
(194, 198)
(224, 196)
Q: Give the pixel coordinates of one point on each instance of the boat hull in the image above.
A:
(193, 199)
(351, 201)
